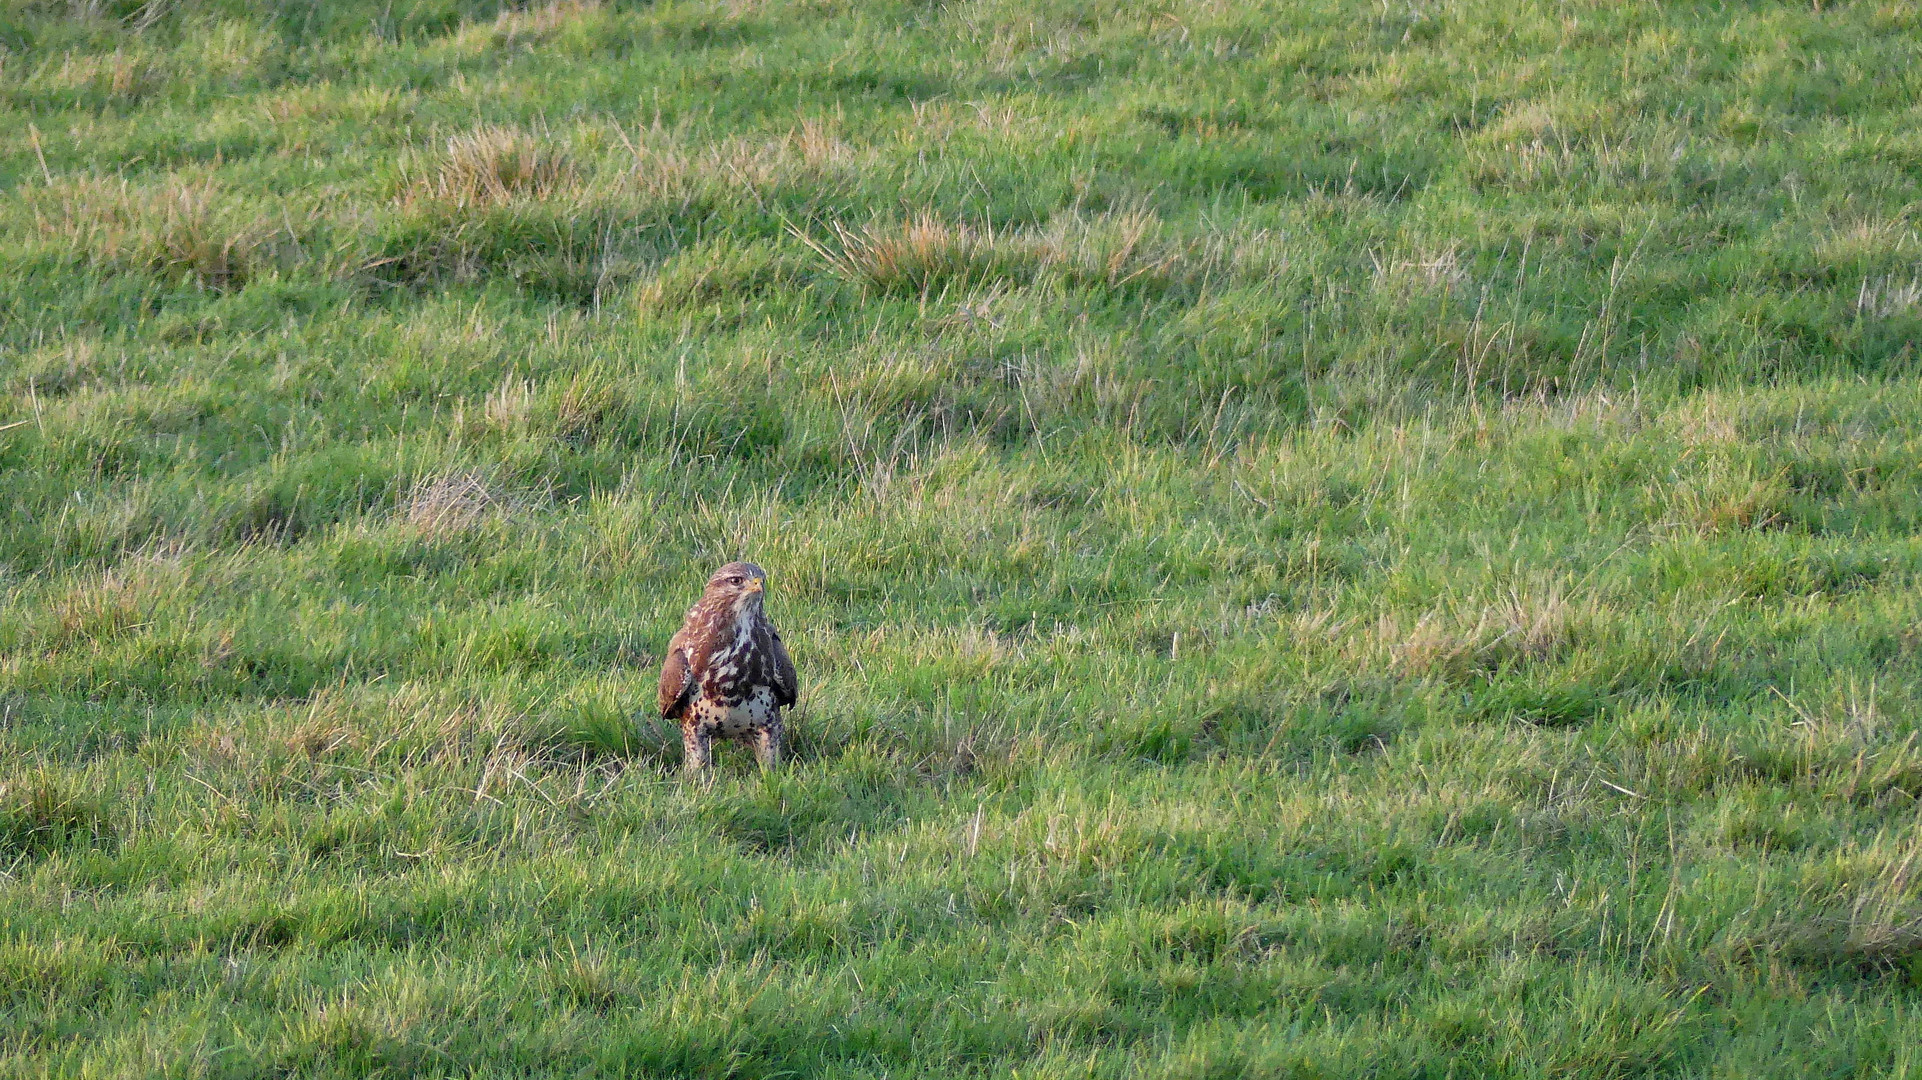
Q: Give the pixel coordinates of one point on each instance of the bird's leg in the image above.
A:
(767, 743)
(697, 747)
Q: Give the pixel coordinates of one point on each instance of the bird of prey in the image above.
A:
(727, 674)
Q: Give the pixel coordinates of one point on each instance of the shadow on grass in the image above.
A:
(808, 810)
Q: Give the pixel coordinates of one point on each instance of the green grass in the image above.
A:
(1322, 538)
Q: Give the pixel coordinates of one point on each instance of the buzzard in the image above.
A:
(726, 672)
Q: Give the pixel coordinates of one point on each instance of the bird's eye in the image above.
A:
(736, 580)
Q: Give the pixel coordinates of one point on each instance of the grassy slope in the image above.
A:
(1322, 538)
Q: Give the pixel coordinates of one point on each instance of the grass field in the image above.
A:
(1322, 538)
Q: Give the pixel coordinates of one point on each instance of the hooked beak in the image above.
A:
(756, 585)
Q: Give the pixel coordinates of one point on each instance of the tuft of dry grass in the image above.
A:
(672, 166)
(117, 76)
(1452, 645)
(588, 979)
(537, 23)
(451, 503)
(1436, 271)
(179, 228)
(914, 257)
(1716, 494)
(199, 238)
(1889, 296)
(1130, 246)
(494, 164)
(114, 603)
(62, 368)
(324, 729)
(509, 405)
(926, 253)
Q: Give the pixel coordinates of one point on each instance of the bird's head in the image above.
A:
(739, 586)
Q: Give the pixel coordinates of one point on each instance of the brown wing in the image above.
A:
(677, 680)
(787, 687)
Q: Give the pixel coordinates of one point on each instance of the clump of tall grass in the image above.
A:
(1889, 296)
(496, 164)
(927, 254)
(575, 409)
(180, 228)
(714, 274)
(44, 812)
(120, 76)
(916, 257)
(454, 502)
(100, 608)
(1718, 493)
(537, 23)
(493, 164)
(675, 166)
(1513, 630)
(1873, 925)
(62, 368)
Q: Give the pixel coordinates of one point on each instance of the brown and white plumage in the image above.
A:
(727, 675)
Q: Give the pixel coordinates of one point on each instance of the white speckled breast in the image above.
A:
(752, 714)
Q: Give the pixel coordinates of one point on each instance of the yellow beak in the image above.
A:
(756, 585)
